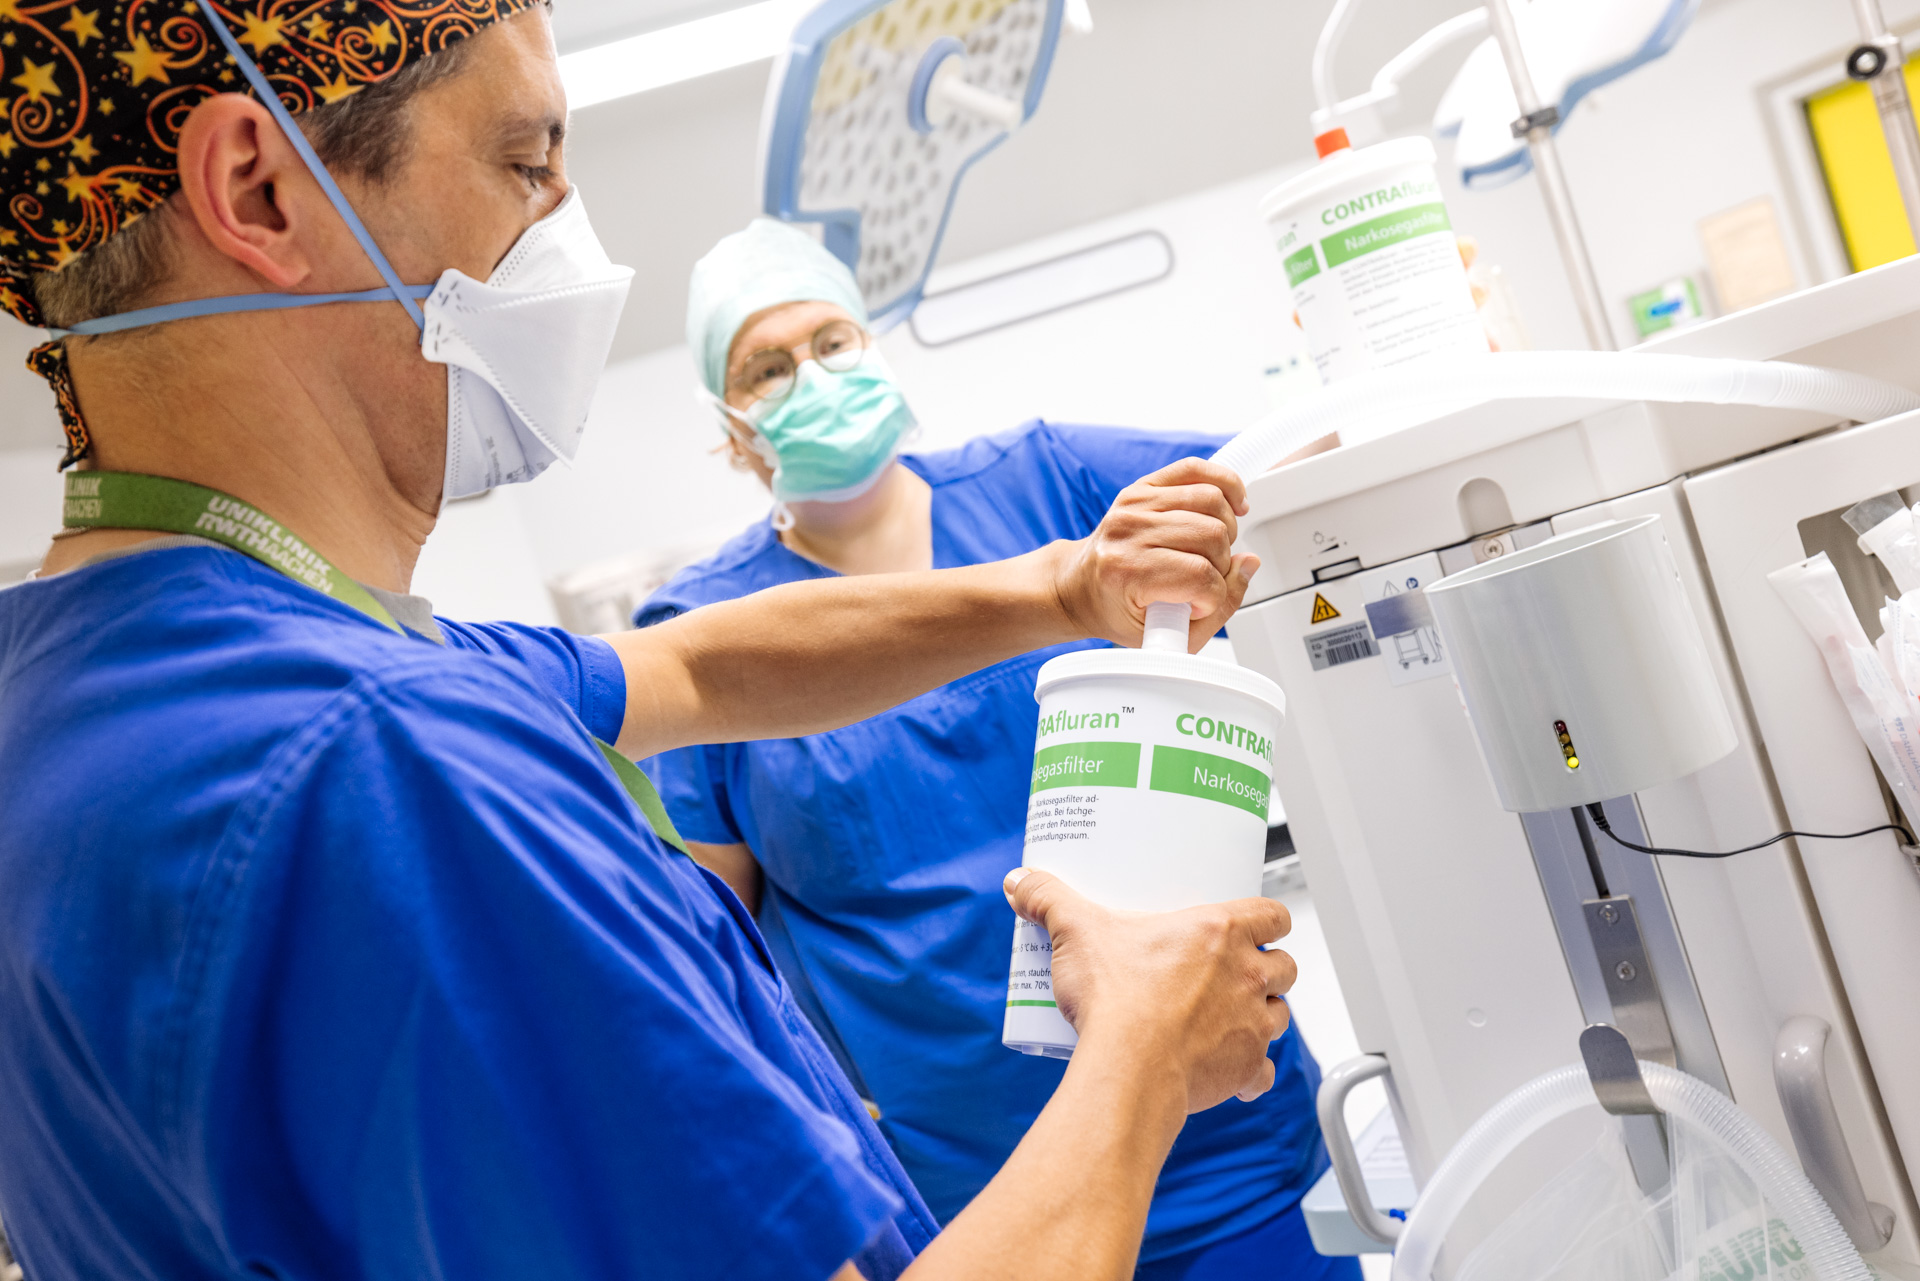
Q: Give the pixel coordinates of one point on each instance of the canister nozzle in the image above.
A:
(1167, 627)
(1330, 141)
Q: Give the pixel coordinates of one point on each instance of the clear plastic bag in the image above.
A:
(1723, 1228)
(1589, 1223)
(1899, 643)
(1887, 529)
(1593, 1223)
(1883, 710)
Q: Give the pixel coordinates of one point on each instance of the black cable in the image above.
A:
(1591, 848)
(1599, 818)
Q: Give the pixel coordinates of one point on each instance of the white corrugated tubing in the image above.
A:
(1388, 400)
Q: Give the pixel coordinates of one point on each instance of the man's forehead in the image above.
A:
(508, 93)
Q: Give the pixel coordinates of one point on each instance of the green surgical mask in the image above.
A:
(831, 437)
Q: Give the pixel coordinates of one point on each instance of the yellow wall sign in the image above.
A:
(1859, 173)
(1323, 610)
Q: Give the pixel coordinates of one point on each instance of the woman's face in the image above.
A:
(789, 327)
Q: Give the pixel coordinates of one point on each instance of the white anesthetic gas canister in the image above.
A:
(1151, 778)
(1371, 258)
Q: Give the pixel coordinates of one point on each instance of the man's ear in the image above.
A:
(250, 193)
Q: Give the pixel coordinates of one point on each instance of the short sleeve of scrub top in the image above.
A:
(582, 672)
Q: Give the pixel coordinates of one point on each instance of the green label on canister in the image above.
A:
(1214, 778)
(1387, 229)
(1086, 765)
(1301, 266)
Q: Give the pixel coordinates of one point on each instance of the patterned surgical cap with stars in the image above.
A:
(93, 95)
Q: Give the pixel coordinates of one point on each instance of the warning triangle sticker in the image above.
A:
(1323, 610)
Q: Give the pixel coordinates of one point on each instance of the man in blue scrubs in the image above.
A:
(335, 939)
(873, 853)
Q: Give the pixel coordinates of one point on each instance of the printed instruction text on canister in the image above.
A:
(1145, 794)
(1371, 260)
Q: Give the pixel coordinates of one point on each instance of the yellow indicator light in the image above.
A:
(1566, 745)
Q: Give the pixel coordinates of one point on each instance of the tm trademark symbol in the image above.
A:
(1126, 709)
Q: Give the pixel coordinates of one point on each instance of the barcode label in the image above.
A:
(1337, 645)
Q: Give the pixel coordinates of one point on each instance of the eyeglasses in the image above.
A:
(770, 372)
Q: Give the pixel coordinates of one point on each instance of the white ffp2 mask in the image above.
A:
(524, 350)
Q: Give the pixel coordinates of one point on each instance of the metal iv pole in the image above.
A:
(1535, 124)
(1882, 63)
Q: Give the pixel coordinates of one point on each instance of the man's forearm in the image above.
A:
(1071, 1202)
(807, 657)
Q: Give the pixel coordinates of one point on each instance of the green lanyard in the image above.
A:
(125, 500)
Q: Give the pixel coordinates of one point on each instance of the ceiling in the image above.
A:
(580, 24)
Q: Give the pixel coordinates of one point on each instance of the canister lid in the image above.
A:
(1187, 668)
(1343, 169)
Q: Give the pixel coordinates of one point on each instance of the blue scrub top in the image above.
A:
(884, 844)
(330, 952)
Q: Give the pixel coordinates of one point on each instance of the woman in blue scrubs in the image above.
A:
(873, 854)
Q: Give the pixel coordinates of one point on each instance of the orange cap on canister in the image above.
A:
(1334, 139)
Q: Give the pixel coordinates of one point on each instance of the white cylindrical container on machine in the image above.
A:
(1151, 779)
(1583, 667)
(1371, 259)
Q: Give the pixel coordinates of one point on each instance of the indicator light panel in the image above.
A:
(1567, 752)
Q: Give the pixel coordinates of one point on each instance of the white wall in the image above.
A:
(645, 477)
(30, 448)
(27, 416)
(29, 508)
(1185, 353)
(480, 559)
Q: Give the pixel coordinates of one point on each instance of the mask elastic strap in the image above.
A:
(759, 444)
(219, 306)
(401, 293)
(701, 396)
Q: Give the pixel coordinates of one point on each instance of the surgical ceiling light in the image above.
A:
(877, 110)
(1572, 48)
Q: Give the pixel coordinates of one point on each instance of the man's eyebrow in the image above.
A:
(520, 130)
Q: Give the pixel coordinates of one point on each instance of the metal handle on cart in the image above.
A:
(1800, 1074)
(1332, 1105)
